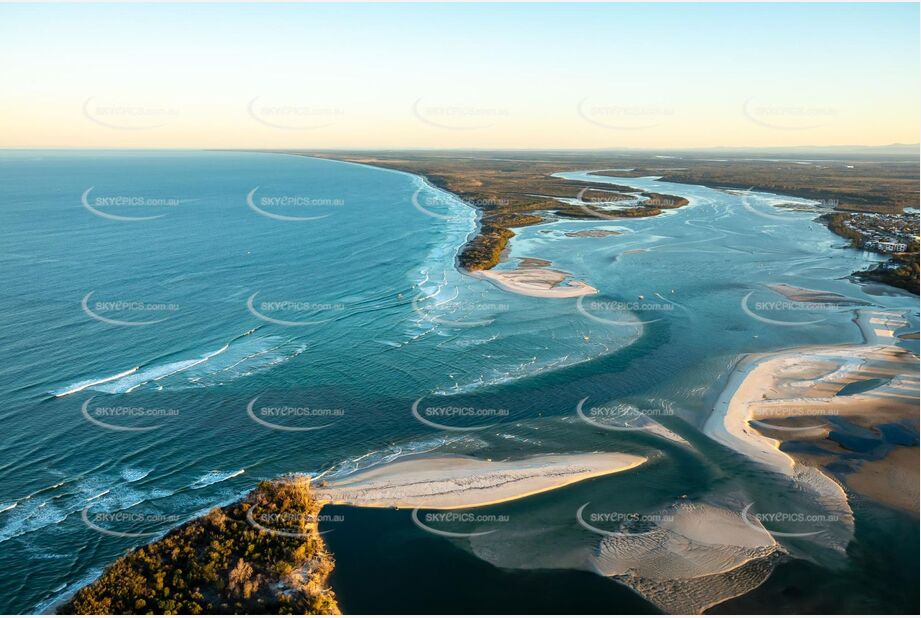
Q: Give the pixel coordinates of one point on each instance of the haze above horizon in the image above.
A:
(459, 76)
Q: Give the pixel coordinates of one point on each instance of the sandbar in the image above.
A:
(539, 282)
(788, 395)
(598, 233)
(806, 295)
(454, 481)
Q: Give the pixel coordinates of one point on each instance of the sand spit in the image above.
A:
(454, 482)
(533, 281)
(598, 233)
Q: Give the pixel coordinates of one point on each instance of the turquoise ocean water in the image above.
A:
(178, 326)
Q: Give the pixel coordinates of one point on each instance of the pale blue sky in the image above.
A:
(418, 75)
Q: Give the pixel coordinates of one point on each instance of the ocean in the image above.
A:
(179, 325)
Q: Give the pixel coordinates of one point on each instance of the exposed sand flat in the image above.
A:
(892, 398)
(454, 482)
(892, 480)
(532, 261)
(786, 395)
(697, 595)
(540, 282)
(887, 321)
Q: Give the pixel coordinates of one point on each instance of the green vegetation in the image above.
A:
(875, 184)
(835, 222)
(223, 563)
(901, 272)
(509, 191)
(516, 188)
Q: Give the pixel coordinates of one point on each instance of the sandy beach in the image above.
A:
(539, 282)
(454, 482)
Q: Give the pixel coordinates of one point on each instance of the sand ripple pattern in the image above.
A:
(697, 556)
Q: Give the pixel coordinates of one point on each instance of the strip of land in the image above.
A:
(264, 554)
(805, 295)
(454, 482)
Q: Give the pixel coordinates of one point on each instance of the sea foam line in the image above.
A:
(81, 386)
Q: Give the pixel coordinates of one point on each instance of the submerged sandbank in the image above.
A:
(806, 295)
(454, 482)
(698, 555)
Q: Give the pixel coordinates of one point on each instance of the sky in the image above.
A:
(458, 76)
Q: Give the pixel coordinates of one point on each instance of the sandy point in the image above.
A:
(455, 481)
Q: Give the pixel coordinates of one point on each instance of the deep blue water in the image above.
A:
(158, 366)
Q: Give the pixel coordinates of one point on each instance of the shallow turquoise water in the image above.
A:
(223, 333)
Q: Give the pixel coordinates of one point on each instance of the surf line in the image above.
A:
(184, 365)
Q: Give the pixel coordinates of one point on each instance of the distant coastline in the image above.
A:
(509, 199)
(523, 192)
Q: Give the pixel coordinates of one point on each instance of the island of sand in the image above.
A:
(536, 281)
(454, 482)
(805, 295)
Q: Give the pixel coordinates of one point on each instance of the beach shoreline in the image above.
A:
(514, 198)
(433, 482)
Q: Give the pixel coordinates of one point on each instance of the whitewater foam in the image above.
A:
(215, 476)
(85, 384)
(244, 357)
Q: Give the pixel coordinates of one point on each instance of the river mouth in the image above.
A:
(384, 320)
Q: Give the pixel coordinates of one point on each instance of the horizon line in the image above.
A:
(893, 145)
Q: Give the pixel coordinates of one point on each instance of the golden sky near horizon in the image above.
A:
(308, 76)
